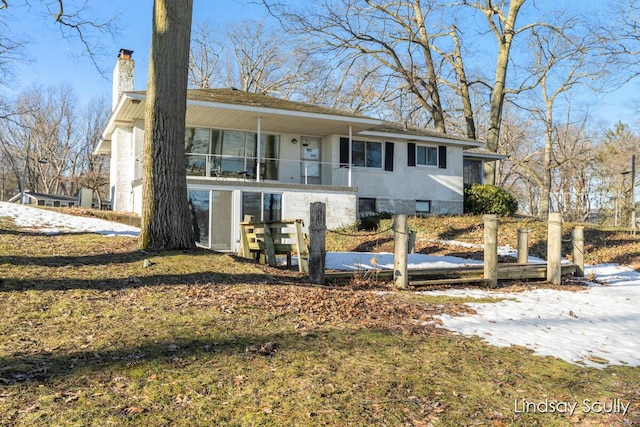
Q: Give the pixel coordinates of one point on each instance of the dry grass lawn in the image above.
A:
(90, 337)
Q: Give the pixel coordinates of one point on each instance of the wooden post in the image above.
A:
(303, 255)
(578, 250)
(523, 245)
(317, 236)
(491, 249)
(412, 242)
(554, 248)
(400, 246)
(244, 241)
(270, 251)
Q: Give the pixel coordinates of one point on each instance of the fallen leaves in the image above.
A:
(267, 349)
(339, 306)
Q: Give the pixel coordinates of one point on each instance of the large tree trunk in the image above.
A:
(465, 94)
(166, 222)
(505, 38)
(431, 84)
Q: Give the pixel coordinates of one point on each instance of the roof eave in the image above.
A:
(284, 112)
(485, 156)
(409, 136)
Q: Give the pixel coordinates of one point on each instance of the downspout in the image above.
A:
(350, 154)
(258, 151)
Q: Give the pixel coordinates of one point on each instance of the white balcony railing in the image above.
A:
(310, 172)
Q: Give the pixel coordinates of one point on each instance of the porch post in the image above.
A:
(350, 153)
(258, 151)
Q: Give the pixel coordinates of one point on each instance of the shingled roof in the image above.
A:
(250, 99)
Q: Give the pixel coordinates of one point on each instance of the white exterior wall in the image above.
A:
(289, 159)
(341, 207)
(290, 163)
(397, 190)
(122, 169)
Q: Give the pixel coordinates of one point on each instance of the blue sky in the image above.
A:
(54, 60)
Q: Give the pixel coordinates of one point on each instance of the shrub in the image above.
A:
(372, 222)
(489, 199)
(369, 223)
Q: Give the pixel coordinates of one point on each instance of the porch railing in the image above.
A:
(246, 168)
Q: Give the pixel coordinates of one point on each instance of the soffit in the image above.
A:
(245, 117)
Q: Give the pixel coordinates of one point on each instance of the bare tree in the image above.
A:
(574, 175)
(395, 34)
(204, 59)
(88, 170)
(166, 222)
(249, 56)
(47, 142)
(613, 155)
(521, 173)
(74, 23)
(562, 64)
(428, 46)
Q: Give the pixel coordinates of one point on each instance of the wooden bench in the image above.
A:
(265, 240)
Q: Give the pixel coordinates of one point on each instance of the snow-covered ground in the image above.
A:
(597, 327)
(50, 222)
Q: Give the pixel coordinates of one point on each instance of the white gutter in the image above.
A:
(413, 137)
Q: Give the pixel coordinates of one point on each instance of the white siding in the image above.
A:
(398, 190)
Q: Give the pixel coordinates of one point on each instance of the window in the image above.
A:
(472, 172)
(199, 206)
(262, 206)
(231, 152)
(196, 144)
(366, 154)
(423, 207)
(366, 206)
(426, 156)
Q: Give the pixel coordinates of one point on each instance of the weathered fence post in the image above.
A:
(412, 242)
(400, 246)
(578, 250)
(491, 249)
(523, 245)
(317, 238)
(554, 248)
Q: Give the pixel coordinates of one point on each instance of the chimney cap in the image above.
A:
(125, 54)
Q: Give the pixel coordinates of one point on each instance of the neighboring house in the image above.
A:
(249, 154)
(29, 197)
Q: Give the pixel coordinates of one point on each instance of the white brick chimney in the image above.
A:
(122, 75)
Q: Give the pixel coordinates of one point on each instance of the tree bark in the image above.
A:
(465, 94)
(166, 222)
(505, 38)
(432, 77)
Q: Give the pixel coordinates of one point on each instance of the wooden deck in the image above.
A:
(460, 275)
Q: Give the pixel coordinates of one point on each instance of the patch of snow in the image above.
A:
(595, 327)
(51, 222)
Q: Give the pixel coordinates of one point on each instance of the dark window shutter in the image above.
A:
(344, 152)
(388, 156)
(411, 154)
(442, 157)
